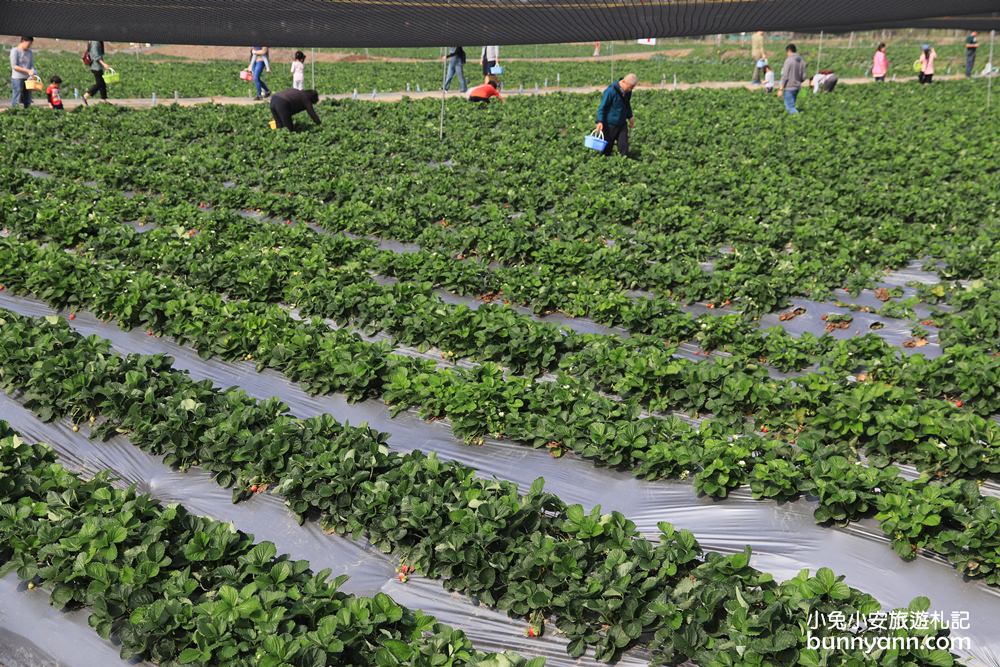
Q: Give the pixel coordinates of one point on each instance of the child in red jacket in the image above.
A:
(52, 92)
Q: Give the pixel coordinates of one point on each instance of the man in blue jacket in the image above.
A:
(614, 113)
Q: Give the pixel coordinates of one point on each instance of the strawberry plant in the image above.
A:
(175, 588)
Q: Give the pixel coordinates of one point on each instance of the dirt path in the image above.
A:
(241, 53)
(396, 97)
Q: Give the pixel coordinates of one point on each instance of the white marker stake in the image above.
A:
(989, 81)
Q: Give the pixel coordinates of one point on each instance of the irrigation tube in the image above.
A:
(784, 536)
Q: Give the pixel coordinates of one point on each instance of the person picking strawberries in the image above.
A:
(614, 113)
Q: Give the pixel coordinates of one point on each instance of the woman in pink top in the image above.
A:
(880, 63)
(927, 58)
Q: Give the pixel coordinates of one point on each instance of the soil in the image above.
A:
(241, 53)
(737, 53)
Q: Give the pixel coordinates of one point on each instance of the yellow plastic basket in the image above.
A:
(111, 76)
(34, 83)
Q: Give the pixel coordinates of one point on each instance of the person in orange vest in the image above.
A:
(486, 91)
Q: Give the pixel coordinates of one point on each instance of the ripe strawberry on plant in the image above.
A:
(536, 625)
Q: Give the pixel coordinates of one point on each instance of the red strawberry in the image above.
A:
(253, 488)
(288, 222)
(72, 316)
(763, 429)
(959, 403)
(530, 632)
(149, 332)
(710, 306)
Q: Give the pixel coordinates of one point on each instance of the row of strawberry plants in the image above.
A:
(638, 368)
(406, 190)
(301, 268)
(563, 414)
(531, 555)
(548, 281)
(178, 589)
(304, 271)
(556, 278)
(656, 317)
(894, 425)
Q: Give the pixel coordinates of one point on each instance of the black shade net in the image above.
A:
(381, 23)
(982, 22)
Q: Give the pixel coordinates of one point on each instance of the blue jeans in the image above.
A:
(19, 94)
(455, 69)
(258, 69)
(790, 96)
(970, 62)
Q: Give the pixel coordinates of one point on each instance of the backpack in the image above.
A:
(87, 60)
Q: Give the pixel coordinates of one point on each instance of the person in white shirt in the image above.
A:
(824, 81)
(768, 79)
(490, 57)
(299, 71)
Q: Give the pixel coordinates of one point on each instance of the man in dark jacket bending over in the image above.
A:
(289, 102)
(614, 114)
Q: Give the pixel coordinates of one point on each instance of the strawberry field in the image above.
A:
(535, 404)
(143, 75)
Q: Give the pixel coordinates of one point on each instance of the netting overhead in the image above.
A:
(968, 22)
(354, 23)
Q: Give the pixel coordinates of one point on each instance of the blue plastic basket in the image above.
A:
(595, 141)
(496, 69)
